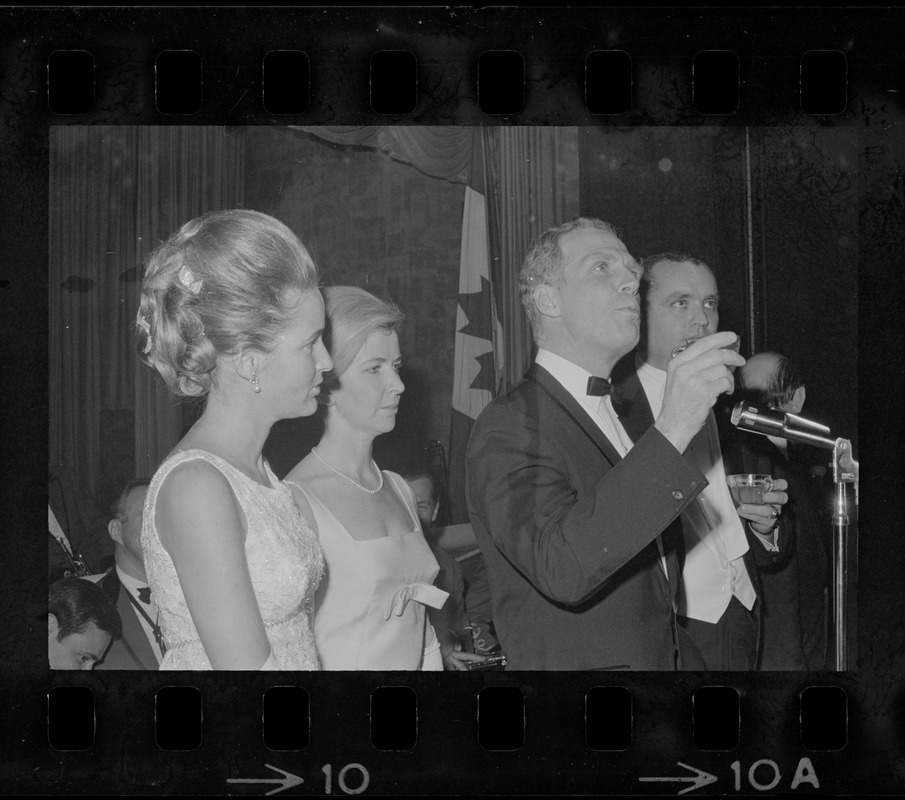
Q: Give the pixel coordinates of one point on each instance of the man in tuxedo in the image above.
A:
(720, 566)
(127, 586)
(795, 591)
(577, 523)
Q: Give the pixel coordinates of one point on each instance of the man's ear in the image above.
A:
(546, 300)
(436, 511)
(797, 402)
(115, 529)
(53, 627)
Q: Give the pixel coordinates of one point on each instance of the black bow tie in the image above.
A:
(144, 594)
(598, 387)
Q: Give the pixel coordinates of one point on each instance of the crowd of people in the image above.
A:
(602, 536)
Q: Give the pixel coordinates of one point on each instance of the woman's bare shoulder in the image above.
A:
(196, 494)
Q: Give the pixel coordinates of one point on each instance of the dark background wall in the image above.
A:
(789, 195)
(688, 189)
(380, 224)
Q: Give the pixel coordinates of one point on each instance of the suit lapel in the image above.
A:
(633, 409)
(572, 409)
(640, 423)
(632, 406)
(134, 635)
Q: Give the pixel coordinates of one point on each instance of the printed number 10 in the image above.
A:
(327, 769)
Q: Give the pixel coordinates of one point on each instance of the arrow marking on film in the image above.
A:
(698, 780)
(287, 781)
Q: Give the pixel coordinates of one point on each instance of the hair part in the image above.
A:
(544, 263)
(352, 315)
(248, 271)
(77, 603)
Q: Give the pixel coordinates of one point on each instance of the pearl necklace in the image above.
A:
(329, 466)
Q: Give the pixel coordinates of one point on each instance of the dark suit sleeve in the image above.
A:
(523, 469)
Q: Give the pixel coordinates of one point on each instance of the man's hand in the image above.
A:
(458, 659)
(694, 379)
(765, 516)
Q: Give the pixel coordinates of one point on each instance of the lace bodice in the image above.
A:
(285, 563)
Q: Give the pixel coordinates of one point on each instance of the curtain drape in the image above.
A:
(115, 193)
(532, 184)
(531, 181)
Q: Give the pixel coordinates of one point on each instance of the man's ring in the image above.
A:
(774, 513)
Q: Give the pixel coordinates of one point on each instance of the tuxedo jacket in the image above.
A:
(568, 529)
(633, 408)
(132, 650)
(795, 589)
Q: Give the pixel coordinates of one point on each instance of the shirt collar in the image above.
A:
(652, 373)
(132, 585)
(573, 378)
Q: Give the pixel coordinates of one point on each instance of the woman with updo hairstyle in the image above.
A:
(370, 606)
(231, 312)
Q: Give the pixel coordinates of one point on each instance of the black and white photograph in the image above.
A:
(444, 264)
(539, 347)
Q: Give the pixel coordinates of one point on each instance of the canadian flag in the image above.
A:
(478, 334)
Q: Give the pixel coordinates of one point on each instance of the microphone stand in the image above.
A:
(845, 471)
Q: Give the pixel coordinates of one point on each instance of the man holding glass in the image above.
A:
(578, 524)
(723, 543)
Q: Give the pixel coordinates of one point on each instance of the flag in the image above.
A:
(475, 379)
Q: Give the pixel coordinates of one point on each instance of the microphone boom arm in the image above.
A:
(845, 470)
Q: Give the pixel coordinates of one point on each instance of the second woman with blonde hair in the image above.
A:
(370, 606)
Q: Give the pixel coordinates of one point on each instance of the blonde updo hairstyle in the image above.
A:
(352, 316)
(245, 272)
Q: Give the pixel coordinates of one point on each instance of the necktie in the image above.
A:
(144, 594)
(155, 626)
(598, 387)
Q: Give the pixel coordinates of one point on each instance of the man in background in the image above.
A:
(795, 592)
(81, 623)
(450, 622)
(141, 645)
(717, 606)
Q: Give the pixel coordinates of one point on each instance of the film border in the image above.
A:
(446, 42)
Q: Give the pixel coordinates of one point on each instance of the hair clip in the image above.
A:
(187, 279)
(146, 327)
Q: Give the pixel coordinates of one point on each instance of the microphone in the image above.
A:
(785, 425)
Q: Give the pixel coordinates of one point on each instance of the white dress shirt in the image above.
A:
(715, 540)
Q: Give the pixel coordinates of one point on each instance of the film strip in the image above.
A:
(492, 732)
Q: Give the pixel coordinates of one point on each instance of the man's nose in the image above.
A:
(699, 316)
(629, 280)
